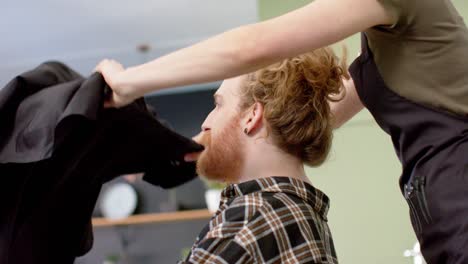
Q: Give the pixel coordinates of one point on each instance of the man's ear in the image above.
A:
(253, 120)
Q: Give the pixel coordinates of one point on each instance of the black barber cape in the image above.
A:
(58, 146)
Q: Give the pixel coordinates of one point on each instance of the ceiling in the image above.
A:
(80, 33)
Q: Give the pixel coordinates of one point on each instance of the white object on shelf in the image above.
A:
(416, 254)
(213, 198)
(119, 201)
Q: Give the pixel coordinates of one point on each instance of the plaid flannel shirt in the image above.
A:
(269, 220)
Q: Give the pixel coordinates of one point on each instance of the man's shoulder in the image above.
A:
(261, 218)
(254, 205)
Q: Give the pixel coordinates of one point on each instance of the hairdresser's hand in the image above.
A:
(110, 70)
(190, 157)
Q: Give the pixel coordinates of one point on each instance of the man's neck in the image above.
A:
(266, 161)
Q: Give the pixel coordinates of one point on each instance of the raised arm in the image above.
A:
(348, 107)
(247, 48)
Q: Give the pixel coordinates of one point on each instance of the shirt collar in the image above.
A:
(317, 199)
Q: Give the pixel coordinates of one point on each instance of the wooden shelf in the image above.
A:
(154, 218)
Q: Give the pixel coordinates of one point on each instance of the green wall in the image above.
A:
(368, 215)
(271, 8)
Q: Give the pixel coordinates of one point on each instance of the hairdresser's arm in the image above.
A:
(247, 48)
(348, 107)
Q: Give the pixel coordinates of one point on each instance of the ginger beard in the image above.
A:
(222, 158)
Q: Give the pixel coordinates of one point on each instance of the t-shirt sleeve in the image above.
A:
(399, 11)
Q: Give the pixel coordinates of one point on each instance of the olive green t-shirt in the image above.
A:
(424, 55)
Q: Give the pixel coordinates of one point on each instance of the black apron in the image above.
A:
(432, 146)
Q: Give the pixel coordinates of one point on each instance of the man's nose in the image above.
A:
(205, 127)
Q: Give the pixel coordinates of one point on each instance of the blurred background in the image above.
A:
(368, 216)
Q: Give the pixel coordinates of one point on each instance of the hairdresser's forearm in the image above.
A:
(223, 56)
(251, 47)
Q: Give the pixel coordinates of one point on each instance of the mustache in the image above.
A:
(203, 138)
